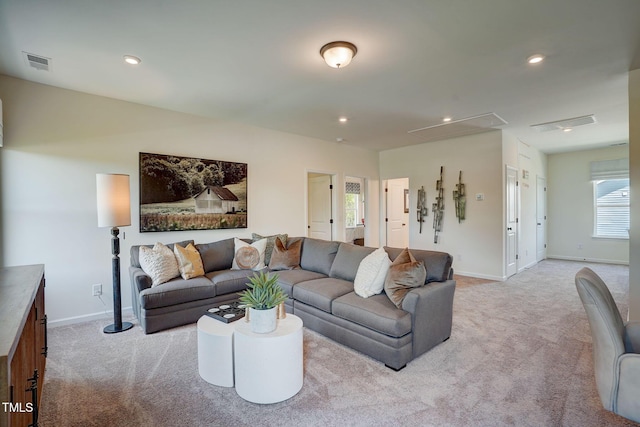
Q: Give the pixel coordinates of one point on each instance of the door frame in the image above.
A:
(334, 200)
(385, 210)
(515, 226)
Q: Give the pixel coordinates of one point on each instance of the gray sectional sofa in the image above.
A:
(321, 293)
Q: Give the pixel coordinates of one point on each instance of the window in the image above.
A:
(351, 210)
(612, 208)
(611, 198)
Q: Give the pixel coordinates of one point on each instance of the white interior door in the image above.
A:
(512, 222)
(397, 219)
(541, 218)
(320, 219)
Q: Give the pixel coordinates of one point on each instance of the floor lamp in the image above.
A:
(114, 210)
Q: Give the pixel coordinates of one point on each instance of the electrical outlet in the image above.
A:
(97, 290)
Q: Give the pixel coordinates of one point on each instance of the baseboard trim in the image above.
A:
(597, 260)
(480, 275)
(127, 311)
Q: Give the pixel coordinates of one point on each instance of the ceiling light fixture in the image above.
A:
(446, 119)
(343, 120)
(567, 129)
(338, 54)
(132, 60)
(535, 59)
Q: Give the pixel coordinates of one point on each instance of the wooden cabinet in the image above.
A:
(23, 344)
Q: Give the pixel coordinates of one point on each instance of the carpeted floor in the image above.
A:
(519, 355)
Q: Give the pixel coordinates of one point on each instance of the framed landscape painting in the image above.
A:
(186, 193)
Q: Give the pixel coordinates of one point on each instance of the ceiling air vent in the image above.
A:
(38, 62)
(565, 124)
(467, 126)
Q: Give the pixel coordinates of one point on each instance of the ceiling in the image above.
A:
(257, 62)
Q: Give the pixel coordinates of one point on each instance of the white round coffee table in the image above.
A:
(268, 367)
(215, 351)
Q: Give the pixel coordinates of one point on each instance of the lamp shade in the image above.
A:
(114, 206)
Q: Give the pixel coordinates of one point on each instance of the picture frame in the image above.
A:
(185, 193)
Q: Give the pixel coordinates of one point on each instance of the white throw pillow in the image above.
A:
(371, 274)
(249, 256)
(159, 263)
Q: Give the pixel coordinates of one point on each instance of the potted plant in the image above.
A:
(262, 298)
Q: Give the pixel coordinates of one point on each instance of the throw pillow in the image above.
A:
(249, 256)
(271, 241)
(159, 263)
(405, 273)
(372, 273)
(284, 258)
(189, 261)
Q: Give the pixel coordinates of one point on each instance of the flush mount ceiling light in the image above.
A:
(132, 60)
(338, 54)
(535, 59)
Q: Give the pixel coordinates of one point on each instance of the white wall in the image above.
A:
(634, 171)
(570, 208)
(57, 140)
(477, 243)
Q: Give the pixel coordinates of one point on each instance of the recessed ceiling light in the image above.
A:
(343, 120)
(446, 119)
(339, 139)
(132, 60)
(535, 59)
(567, 129)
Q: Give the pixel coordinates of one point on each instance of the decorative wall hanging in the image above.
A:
(186, 193)
(422, 206)
(460, 199)
(438, 208)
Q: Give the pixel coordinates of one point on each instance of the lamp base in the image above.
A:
(111, 329)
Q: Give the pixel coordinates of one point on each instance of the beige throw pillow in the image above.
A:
(189, 261)
(404, 274)
(283, 258)
(159, 263)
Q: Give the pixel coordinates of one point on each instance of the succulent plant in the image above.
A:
(263, 293)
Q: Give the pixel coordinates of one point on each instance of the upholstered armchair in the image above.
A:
(616, 347)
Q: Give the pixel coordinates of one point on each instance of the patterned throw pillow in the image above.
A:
(189, 261)
(372, 273)
(249, 256)
(284, 258)
(159, 263)
(271, 241)
(405, 273)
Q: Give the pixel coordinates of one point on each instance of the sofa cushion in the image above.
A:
(159, 263)
(177, 291)
(319, 293)
(318, 255)
(404, 274)
(288, 278)
(345, 265)
(271, 242)
(217, 255)
(189, 261)
(285, 258)
(376, 312)
(134, 252)
(438, 264)
(372, 273)
(228, 281)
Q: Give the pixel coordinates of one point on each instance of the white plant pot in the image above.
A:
(263, 321)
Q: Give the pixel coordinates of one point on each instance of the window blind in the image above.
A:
(610, 169)
(352, 188)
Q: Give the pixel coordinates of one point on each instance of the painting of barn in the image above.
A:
(186, 193)
(215, 199)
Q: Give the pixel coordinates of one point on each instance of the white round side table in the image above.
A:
(268, 367)
(215, 351)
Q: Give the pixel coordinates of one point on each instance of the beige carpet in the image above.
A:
(519, 355)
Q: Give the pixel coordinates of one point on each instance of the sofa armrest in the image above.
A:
(139, 279)
(632, 337)
(431, 308)
(628, 390)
